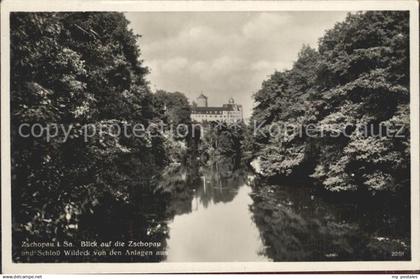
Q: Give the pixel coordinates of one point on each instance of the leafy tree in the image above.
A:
(175, 107)
(221, 138)
(280, 112)
(364, 78)
(354, 89)
(76, 69)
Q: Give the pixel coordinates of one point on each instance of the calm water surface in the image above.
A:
(233, 216)
(216, 231)
(220, 211)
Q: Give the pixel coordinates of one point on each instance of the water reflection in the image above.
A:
(297, 224)
(218, 211)
(219, 226)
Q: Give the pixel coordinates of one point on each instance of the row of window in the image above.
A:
(216, 116)
(210, 112)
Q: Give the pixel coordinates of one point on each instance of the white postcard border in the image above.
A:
(190, 6)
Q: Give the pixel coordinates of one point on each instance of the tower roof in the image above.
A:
(202, 96)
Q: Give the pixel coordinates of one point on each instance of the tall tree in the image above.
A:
(74, 70)
(353, 90)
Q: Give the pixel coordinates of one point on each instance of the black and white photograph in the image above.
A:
(217, 136)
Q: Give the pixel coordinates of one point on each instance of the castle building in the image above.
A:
(229, 112)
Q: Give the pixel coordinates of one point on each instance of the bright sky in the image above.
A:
(224, 54)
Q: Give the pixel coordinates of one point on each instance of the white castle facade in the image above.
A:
(229, 112)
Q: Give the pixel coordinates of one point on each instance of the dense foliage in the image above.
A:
(175, 107)
(223, 138)
(176, 124)
(352, 94)
(76, 69)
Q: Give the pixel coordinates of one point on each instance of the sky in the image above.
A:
(224, 54)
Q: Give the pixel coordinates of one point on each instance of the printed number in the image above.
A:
(398, 253)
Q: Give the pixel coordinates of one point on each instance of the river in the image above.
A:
(221, 211)
(216, 229)
(232, 215)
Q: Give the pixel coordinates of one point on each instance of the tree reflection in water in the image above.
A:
(177, 190)
(216, 181)
(219, 226)
(277, 222)
(297, 224)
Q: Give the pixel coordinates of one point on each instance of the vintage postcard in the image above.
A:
(209, 136)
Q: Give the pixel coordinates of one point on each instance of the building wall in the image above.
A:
(224, 115)
(228, 112)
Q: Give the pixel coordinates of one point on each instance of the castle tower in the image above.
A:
(202, 101)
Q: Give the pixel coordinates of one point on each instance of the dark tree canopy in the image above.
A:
(76, 69)
(175, 106)
(358, 78)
